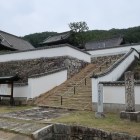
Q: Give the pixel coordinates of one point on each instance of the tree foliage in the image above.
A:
(78, 26)
(37, 38)
(78, 29)
(131, 35)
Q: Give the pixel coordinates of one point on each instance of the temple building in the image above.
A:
(9, 42)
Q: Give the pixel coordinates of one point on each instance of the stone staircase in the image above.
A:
(76, 92)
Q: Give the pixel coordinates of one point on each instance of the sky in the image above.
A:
(23, 17)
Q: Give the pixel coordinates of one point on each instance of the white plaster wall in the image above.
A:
(113, 51)
(21, 91)
(113, 75)
(51, 52)
(137, 95)
(116, 94)
(78, 54)
(45, 83)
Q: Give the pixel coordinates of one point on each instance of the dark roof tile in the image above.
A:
(107, 43)
(14, 42)
(56, 38)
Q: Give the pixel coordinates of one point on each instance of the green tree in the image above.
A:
(78, 29)
(78, 26)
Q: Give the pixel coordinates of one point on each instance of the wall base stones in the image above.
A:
(99, 115)
(73, 65)
(65, 132)
(109, 107)
(113, 107)
(132, 116)
(101, 59)
(17, 101)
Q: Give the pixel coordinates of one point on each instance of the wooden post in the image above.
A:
(12, 98)
(100, 68)
(110, 60)
(106, 63)
(74, 89)
(85, 81)
(61, 100)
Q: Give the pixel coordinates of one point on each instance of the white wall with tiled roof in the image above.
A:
(40, 84)
(64, 50)
(113, 50)
(43, 84)
(114, 74)
(116, 94)
(114, 97)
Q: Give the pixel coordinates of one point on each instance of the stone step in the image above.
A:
(79, 96)
(86, 106)
(72, 91)
(73, 106)
(70, 98)
(82, 87)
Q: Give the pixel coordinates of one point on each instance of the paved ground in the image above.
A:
(23, 127)
(26, 122)
(12, 136)
(37, 113)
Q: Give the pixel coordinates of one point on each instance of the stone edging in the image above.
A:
(43, 133)
(62, 131)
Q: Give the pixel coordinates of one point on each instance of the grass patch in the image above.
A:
(7, 109)
(111, 122)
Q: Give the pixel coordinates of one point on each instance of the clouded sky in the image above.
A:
(22, 17)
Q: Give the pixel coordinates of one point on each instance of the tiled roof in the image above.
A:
(46, 47)
(107, 43)
(13, 42)
(56, 38)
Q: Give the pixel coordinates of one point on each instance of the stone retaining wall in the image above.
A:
(65, 132)
(27, 68)
(101, 59)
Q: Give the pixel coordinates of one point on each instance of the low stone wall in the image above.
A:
(65, 132)
(73, 65)
(27, 68)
